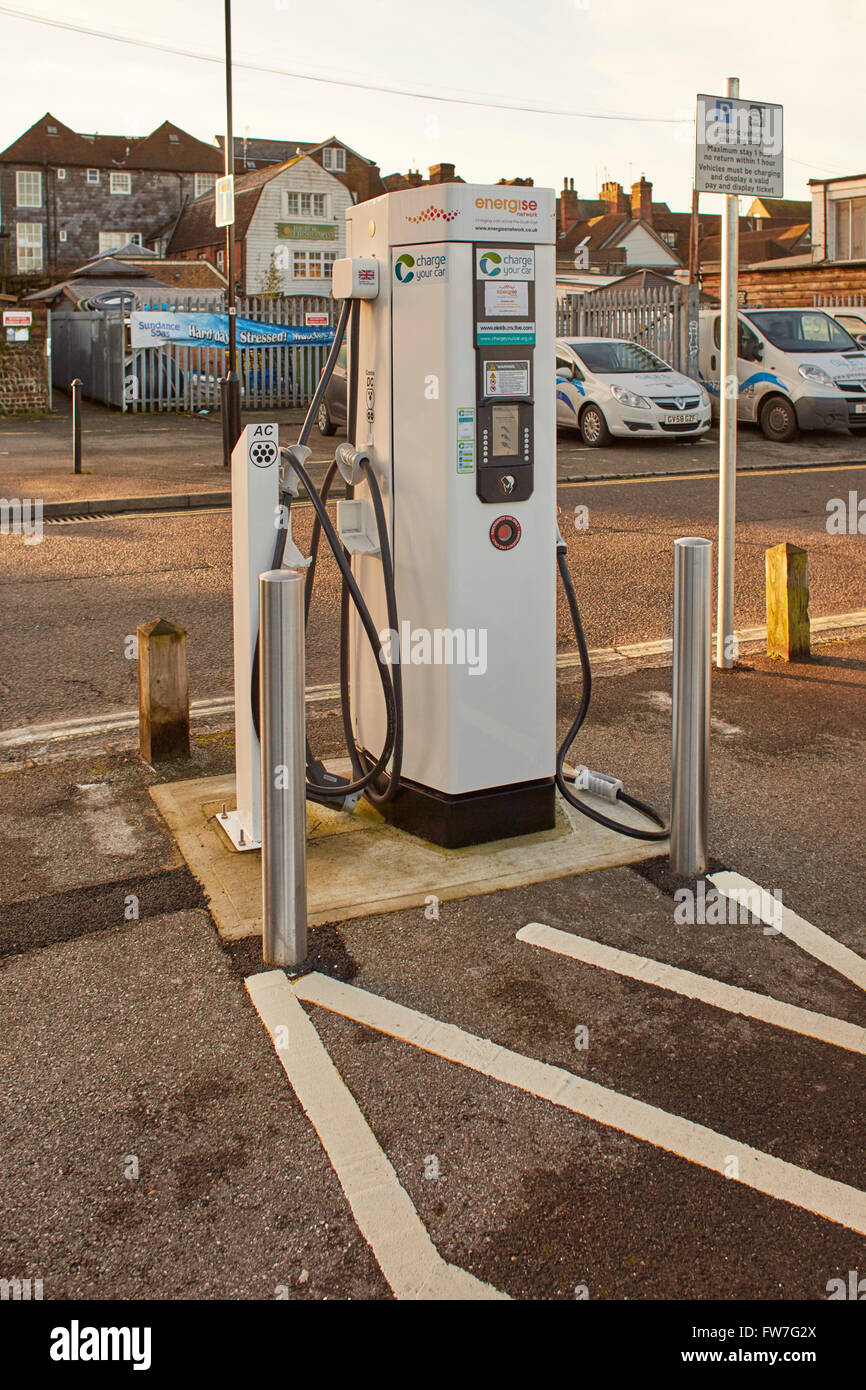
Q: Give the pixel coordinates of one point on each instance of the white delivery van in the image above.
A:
(796, 369)
(610, 386)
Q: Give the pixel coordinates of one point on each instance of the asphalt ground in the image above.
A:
(150, 455)
(135, 1038)
(70, 604)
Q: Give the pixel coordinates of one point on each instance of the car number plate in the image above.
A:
(860, 408)
(681, 419)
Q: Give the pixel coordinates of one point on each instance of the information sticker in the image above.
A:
(508, 378)
(508, 298)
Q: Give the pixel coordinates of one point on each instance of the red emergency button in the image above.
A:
(505, 532)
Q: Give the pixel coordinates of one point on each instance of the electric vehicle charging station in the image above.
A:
(446, 535)
(452, 361)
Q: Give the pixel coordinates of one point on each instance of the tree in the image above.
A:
(272, 280)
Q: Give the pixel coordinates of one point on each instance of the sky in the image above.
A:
(578, 60)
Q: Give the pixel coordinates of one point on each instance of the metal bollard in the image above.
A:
(75, 388)
(693, 559)
(283, 746)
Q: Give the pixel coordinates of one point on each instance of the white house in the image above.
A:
(290, 227)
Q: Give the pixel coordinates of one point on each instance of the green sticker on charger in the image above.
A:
(466, 439)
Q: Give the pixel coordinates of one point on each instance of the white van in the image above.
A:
(610, 386)
(797, 369)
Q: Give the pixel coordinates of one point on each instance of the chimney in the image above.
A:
(567, 205)
(612, 194)
(414, 179)
(442, 173)
(642, 200)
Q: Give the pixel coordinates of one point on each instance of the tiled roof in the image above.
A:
(196, 226)
(167, 147)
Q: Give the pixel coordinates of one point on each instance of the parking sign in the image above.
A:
(738, 147)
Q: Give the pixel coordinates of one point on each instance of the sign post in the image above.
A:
(738, 149)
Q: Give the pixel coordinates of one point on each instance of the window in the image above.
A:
(615, 356)
(669, 238)
(93, 176)
(61, 235)
(334, 158)
(61, 174)
(748, 344)
(120, 183)
(28, 188)
(29, 244)
(850, 238)
(174, 139)
(52, 129)
(221, 259)
(306, 204)
(204, 184)
(112, 241)
(802, 330)
(313, 265)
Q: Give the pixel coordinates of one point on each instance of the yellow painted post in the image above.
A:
(163, 692)
(789, 632)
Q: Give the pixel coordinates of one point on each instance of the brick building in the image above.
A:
(66, 197)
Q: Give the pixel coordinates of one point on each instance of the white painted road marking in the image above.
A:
(818, 944)
(835, 1201)
(730, 997)
(381, 1207)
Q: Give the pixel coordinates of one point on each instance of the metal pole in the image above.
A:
(76, 425)
(728, 422)
(693, 563)
(283, 745)
(232, 396)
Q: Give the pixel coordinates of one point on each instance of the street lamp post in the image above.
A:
(231, 397)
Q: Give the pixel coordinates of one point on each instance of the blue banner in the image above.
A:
(155, 328)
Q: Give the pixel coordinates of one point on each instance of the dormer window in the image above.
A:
(334, 158)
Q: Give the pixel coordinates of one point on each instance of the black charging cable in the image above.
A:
(563, 778)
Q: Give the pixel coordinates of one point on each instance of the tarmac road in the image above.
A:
(70, 603)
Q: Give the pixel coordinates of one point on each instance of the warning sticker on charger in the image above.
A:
(508, 378)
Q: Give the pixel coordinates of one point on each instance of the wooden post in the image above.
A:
(789, 633)
(163, 692)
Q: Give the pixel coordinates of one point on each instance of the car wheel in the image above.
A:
(323, 419)
(593, 428)
(778, 420)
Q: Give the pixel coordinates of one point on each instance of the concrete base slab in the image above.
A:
(358, 866)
